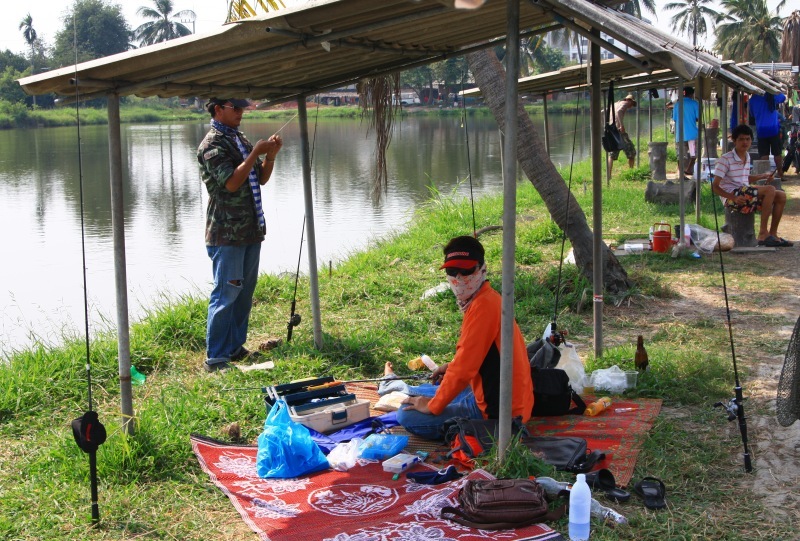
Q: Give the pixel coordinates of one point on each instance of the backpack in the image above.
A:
(552, 393)
(501, 504)
(470, 438)
(565, 453)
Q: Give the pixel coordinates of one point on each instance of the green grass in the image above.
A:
(151, 486)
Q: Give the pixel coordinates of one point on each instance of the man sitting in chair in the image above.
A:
(733, 183)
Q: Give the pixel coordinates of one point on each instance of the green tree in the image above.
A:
(692, 17)
(241, 9)
(634, 7)
(163, 24)
(790, 39)
(29, 33)
(420, 80)
(748, 32)
(96, 28)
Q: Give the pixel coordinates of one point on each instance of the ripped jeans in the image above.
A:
(426, 425)
(235, 275)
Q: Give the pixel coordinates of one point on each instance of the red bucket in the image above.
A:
(662, 238)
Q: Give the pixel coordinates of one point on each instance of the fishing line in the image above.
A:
(88, 431)
(294, 317)
(293, 117)
(469, 162)
(735, 406)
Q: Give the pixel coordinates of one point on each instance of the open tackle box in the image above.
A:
(319, 403)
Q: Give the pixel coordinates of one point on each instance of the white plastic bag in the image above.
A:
(572, 364)
(344, 455)
(706, 240)
(611, 379)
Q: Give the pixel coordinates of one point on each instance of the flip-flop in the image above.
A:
(604, 481)
(771, 242)
(785, 243)
(653, 492)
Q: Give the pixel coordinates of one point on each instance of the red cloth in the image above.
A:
(362, 503)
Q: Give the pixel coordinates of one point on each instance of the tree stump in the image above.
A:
(712, 141)
(741, 227)
(669, 193)
(658, 160)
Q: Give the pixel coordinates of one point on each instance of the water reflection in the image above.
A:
(164, 204)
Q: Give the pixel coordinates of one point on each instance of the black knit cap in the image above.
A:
(463, 253)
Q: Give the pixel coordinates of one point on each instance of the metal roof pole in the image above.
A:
(311, 241)
(650, 116)
(723, 118)
(681, 157)
(509, 227)
(546, 126)
(120, 270)
(638, 131)
(701, 84)
(666, 122)
(597, 194)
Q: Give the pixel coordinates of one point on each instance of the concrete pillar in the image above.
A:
(712, 140)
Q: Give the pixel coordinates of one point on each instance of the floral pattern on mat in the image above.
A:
(362, 504)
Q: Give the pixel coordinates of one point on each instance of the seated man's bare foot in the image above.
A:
(387, 369)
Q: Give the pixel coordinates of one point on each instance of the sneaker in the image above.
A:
(216, 365)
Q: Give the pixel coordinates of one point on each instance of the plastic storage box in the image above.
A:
(328, 418)
(400, 463)
(382, 446)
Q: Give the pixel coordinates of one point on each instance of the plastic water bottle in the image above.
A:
(580, 500)
(598, 406)
(419, 362)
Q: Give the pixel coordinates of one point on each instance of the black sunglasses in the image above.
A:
(455, 271)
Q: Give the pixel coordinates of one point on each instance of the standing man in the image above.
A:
(691, 114)
(768, 126)
(733, 183)
(620, 108)
(233, 174)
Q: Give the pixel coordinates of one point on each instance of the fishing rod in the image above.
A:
(294, 318)
(735, 406)
(335, 382)
(88, 431)
(469, 162)
(286, 124)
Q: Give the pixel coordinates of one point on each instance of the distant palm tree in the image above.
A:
(691, 17)
(748, 32)
(163, 25)
(241, 9)
(634, 7)
(29, 33)
(790, 42)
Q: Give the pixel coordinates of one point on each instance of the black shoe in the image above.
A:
(214, 366)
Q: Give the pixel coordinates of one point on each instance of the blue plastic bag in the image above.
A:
(285, 448)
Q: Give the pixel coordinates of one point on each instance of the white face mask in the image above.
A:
(465, 287)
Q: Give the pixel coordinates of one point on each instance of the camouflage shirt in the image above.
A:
(231, 216)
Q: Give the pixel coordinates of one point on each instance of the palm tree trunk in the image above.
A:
(534, 161)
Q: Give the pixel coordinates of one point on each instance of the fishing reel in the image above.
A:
(732, 407)
(558, 337)
(294, 321)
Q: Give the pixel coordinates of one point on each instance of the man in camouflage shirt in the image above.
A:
(235, 227)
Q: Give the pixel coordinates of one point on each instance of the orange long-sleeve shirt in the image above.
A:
(477, 361)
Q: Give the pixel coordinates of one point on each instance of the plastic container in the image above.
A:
(423, 360)
(580, 502)
(137, 378)
(631, 379)
(598, 406)
(382, 446)
(401, 462)
(662, 237)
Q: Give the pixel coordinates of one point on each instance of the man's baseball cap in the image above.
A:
(222, 101)
(463, 253)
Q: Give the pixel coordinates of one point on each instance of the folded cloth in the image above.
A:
(391, 401)
(434, 477)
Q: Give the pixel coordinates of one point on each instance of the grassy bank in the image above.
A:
(152, 487)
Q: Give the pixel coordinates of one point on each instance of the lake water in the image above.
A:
(41, 296)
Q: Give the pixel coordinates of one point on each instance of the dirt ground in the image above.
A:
(775, 450)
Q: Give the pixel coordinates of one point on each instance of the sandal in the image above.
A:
(653, 492)
(604, 481)
(771, 242)
(785, 243)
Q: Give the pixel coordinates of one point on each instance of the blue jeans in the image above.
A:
(431, 427)
(235, 275)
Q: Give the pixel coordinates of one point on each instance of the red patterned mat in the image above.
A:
(360, 504)
(618, 431)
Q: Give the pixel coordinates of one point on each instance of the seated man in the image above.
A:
(732, 182)
(469, 385)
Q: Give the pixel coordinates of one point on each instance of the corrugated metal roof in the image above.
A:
(288, 53)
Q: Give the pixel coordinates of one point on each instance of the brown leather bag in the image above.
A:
(502, 504)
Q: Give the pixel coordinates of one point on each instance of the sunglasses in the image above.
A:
(235, 109)
(454, 271)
